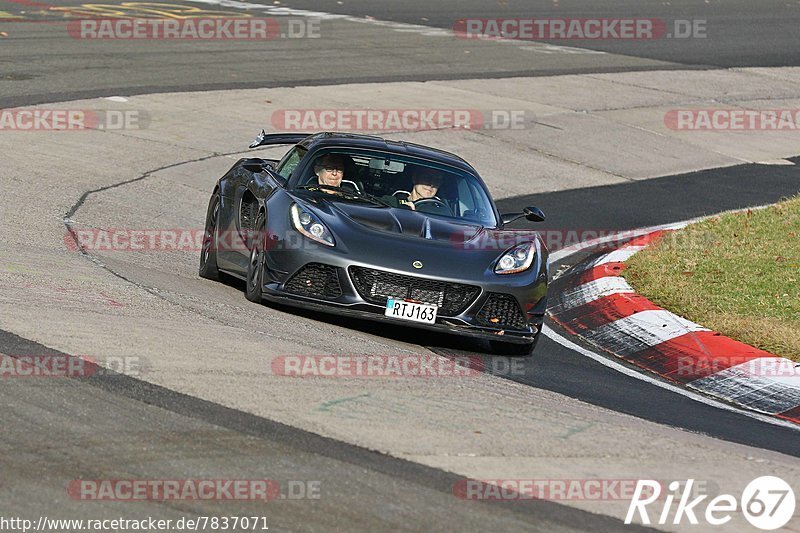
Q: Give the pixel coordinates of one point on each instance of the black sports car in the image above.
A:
(382, 230)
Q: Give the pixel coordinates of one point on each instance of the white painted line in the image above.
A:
(640, 331)
(589, 292)
(557, 49)
(622, 369)
(273, 10)
(429, 31)
(777, 162)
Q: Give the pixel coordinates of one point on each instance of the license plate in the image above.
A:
(398, 308)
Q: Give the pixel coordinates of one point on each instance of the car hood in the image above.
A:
(414, 226)
(407, 223)
(395, 238)
(391, 221)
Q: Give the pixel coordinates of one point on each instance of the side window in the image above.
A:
(466, 203)
(290, 161)
(472, 202)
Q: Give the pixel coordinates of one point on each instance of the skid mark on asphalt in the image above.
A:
(575, 430)
(329, 405)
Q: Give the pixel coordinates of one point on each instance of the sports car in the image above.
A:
(376, 229)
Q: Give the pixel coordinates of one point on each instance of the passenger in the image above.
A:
(426, 185)
(330, 171)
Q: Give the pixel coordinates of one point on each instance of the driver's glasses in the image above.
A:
(334, 170)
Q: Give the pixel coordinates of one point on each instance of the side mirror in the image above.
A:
(532, 214)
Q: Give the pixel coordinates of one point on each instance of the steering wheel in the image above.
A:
(433, 205)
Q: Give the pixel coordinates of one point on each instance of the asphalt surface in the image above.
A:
(41, 61)
(740, 33)
(113, 426)
(664, 200)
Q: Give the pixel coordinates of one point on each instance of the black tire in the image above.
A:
(255, 265)
(208, 252)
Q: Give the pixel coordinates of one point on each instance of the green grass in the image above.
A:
(738, 274)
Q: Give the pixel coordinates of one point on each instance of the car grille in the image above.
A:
(315, 279)
(375, 286)
(502, 311)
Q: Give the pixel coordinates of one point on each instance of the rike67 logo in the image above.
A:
(767, 502)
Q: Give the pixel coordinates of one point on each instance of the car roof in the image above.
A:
(353, 140)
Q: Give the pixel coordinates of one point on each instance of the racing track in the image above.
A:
(42, 64)
(205, 403)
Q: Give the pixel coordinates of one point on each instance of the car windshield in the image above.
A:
(389, 180)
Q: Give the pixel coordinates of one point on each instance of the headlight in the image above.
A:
(310, 226)
(516, 259)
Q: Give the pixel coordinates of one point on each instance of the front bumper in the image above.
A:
(443, 324)
(285, 286)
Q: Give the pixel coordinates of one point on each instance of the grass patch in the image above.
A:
(738, 274)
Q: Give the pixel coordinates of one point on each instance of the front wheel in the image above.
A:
(208, 253)
(255, 266)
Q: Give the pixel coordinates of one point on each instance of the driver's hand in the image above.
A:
(409, 204)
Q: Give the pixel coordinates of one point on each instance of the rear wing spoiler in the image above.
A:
(265, 138)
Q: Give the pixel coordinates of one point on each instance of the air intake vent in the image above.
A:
(502, 311)
(315, 279)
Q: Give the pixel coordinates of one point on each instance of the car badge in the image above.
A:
(417, 264)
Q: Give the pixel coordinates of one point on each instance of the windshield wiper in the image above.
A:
(373, 199)
(351, 195)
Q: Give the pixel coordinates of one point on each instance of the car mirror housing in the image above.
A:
(531, 213)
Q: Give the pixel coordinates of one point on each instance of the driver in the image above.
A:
(426, 184)
(330, 171)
